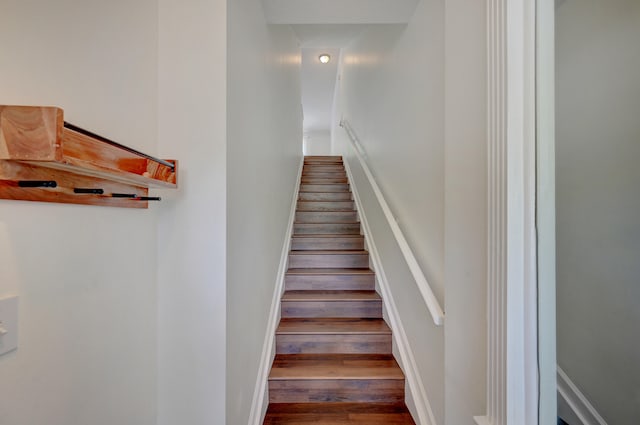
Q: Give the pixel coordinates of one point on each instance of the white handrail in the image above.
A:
(423, 285)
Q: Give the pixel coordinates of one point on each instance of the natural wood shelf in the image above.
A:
(43, 158)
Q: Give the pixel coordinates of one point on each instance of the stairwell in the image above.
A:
(334, 361)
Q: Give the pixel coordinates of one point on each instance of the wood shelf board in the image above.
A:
(91, 154)
(11, 172)
(90, 170)
(35, 144)
(31, 133)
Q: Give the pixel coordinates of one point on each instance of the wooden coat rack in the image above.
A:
(43, 158)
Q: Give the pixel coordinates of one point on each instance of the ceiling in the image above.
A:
(339, 11)
(327, 26)
(318, 87)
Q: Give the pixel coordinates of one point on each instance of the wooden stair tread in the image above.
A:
(325, 196)
(335, 367)
(330, 252)
(325, 211)
(334, 361)
(343, 187)
(338, 413)
(330, 271)
(313, 296)
(327, 236)
(329, 326)
(334, 169)
(327, 223)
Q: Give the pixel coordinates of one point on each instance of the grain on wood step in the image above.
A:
(330, 279)
(324, 196)
(326, 228)
(320, 173)
(333, 349)
(329, 259)
(331, 335)
(338, 413)
(327, 242)
(297, 378)
(325, 206)
(323, 180)
(333, 170)
(324, 187)
(326, 216)
(363, 304)
(322, 159)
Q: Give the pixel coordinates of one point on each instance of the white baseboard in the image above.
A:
(482, 420)
(577, 401)
(260, 399)
(407, 359)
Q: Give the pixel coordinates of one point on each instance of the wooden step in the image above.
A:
(322, 159)
(333, 166)
(324, 180)
(338, 413)
(333, 169)
(329, 259)
(330, 174)
(326, 228)
(324, 187)
(334, 362)
(324, 196)
(325, 206)
(330, 279)
(351, 336)
(300, 378)
(326, 216)
(327, 242)
(363, 304)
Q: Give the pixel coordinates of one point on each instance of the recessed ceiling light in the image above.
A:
(324, 58)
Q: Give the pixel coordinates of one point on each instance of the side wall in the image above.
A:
(465, 211)
(416, 97)
(86, 276)
(264, 125)
(598, 231)
(192, 225)
(391, 90)
(317, 143)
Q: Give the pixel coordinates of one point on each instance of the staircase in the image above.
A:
(333, 361)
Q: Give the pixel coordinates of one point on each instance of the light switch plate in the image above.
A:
(8, 322)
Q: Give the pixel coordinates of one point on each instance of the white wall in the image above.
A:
(391, 90)
(465, 211)
(416, 97)
(264, 128)
(317, 143)
(192, 225)
(85, 275)
(598, 231)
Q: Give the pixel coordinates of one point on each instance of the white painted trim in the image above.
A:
(512, 390)
(260, 400)
(407, 359)
(577, 401)
(546, 209)
(421, 281)
(481, 420)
